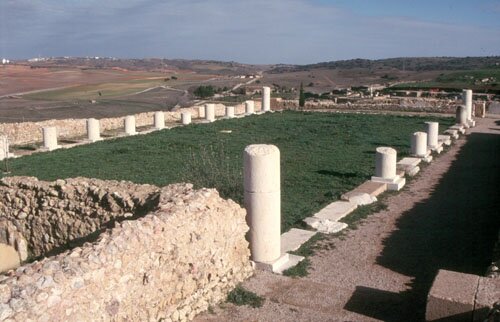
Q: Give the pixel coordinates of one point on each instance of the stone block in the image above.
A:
(451, 297)
(413, 172)
(294, 238)
(488, 292)
(369, 187)
(284, 262)
(324, 225)
(336, 210)
(444, 139)
(359, 198)
(408, 163)
(394, 184)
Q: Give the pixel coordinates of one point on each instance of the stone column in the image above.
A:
(385, 169)
(385, 163)
(210, 112)
(266, 99)
(249, 107)
(50, 138)
(130, 125)
(432, 134)
(419, 144)
(201, 112)
(159, 120)
(461, 115)
(186, 118)
(93, 130)
(483, 110)
(4, 148)
(230, 112)
(263, 201)
(467, 97)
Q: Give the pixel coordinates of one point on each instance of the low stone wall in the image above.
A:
(184, 255)
(401, 105)
(49, 215)
(30, 132)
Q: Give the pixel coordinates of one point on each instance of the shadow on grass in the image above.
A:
(338, 173)
(455, 229)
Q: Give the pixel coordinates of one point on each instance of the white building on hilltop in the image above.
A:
(5, 61)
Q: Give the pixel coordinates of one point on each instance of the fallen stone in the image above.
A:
(361, 198)
(324, 225)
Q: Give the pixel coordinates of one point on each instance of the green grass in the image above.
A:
(241, 296)
(459, 80)
(322, 155)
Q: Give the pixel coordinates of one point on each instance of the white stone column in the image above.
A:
(230, 112)
(4, 148)
(130, 125)
(483, 110)
(186, 118)
(263, 201)
(159, 120)
(249, 107)
(461, 115)
(467, 97)
(50, 138)
(93, 130)
(432, 134)
(385, 168)
(385, 163)
(419, 144)
(201, 112)
(266, 99)
(210, 112)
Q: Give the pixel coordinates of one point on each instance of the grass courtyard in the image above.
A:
(322, 155)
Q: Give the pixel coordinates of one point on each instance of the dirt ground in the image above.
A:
(446, 218)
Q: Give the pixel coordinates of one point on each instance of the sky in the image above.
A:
(249, 31)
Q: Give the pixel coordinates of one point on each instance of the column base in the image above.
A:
(394, 184)
(438, 148)
(460, 128)
(427, 158)
(284, 262)
(94, 140)
(52, 148)
(445, 139)
(409, 166)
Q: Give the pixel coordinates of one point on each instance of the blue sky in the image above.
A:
(250, 31)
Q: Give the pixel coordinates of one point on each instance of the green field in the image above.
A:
(482, 79)
(322, 155)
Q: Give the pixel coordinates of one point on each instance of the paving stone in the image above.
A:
(336, 210)
(369, 187)
(294, 238)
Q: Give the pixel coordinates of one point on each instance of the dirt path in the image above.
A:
(447, 217)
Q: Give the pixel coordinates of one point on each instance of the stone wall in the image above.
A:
(392, 104)
(49, 215)
(184, 255)
(30, 132)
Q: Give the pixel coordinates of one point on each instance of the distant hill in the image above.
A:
(148, 64)
(402, 63)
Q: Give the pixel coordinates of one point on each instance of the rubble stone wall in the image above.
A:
(169, 264)
(49, 215)
(30, 132)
